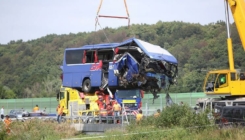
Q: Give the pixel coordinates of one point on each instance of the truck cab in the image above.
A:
(129, 99)
(77, 102)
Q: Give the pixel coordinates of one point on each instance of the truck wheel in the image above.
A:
(86, 87)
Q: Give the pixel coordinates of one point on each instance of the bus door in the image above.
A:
(95, 69)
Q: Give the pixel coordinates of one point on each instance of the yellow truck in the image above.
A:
(77, 102)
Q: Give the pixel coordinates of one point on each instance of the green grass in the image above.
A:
(37, 130)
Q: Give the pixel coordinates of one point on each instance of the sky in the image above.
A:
(32, 19)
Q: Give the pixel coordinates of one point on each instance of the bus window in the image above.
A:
(105, 55)
(74, 56)
(90, 57)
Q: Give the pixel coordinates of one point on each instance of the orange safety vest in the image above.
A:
(116, 107)
(139, 117)
(60, 111)
(57, 109)
(7, 123)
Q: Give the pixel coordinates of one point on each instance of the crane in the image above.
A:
(229, 82)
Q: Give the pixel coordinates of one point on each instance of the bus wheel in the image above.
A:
(86, 87)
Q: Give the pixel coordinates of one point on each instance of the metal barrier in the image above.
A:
(94, 117)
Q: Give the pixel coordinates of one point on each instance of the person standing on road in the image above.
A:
(2, 112)
(57, 109)
(36, 108)
(60, 112)
(116, 108)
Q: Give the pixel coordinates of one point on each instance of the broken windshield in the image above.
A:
(128, 93)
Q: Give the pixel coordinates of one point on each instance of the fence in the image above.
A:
(29, 103)
(148, 106)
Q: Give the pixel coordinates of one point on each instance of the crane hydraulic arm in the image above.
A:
(230, 82)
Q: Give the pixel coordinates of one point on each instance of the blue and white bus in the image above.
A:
(130, 64)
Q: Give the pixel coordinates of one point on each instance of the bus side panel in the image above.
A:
(67, 80)
(112, 78)
(79, 72)
(95, 77)
(73, 74)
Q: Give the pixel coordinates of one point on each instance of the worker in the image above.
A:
(101, 102)
(157, 114)
(36, 108)
(116, 108)
(57, 108)
(109, 109)
(100, 92)
(7, 122)
(139, 116)
(60, 113)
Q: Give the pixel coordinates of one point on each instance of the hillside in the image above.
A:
(31, 69)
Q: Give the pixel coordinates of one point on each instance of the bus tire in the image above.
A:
(86, 87)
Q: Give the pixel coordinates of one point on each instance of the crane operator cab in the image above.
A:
(224, 82)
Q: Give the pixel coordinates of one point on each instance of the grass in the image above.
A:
(38, 130)
(174, 123)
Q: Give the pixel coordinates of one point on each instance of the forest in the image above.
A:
(32, 68)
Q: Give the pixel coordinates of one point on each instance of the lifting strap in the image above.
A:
(105, 16)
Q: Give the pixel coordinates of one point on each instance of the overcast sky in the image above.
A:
(32, 19)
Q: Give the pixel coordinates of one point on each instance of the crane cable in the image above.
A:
(121, 17)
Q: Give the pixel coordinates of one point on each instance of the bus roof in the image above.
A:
(153, 51)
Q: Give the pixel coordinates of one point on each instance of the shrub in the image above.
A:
(36, 129)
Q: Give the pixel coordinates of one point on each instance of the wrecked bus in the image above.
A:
(133, 63)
